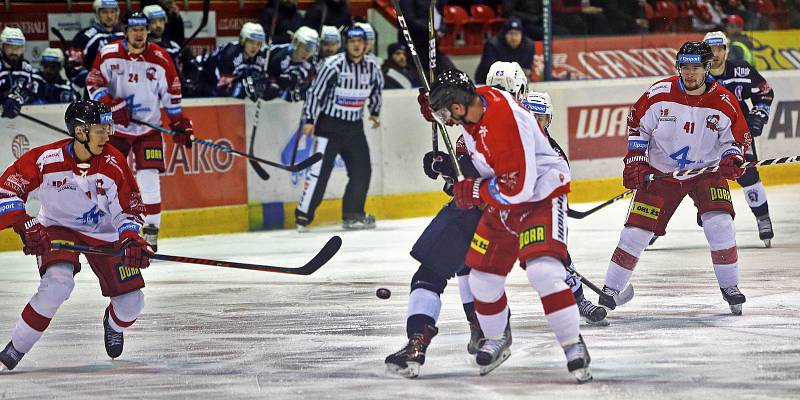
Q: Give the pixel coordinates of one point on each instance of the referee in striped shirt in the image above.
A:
(333, 111)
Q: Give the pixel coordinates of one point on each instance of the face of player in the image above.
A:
(720, 54)
(97, 136)
(513, 38)
(51, 70)
(693, 76)
(399, 58)
(302, 53)
(108, 17)
(156, 27)
(251, 48)
(137, 38)
(330, 48)
(543, 119)
(356, 47)
(461, 115)
(13, 53)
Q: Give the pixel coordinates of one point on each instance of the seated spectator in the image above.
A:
(530, 13)
(628, 15)
(330, 42)
(16, 73)
(156, 24)
(396, 73)
(579, 17)
(289, 19)
(793, 6)
(336, 12)
(50, 86)
(509, 45)
(740, 47)
(290, 65)
(707, 16)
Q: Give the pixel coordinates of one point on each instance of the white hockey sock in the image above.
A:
(545, 275)
(491, 304)
(721, 235)
(150, 186)
(426, 302)
(755, 195)
(632, 242)
(54, 289)
(464, 290)
(124, 309)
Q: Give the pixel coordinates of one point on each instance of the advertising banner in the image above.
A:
(776, 49)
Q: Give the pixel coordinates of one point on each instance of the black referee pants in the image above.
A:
(345, 138)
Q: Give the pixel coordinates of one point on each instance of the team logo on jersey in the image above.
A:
(16, 183)
(153, 154)
(150, 73)
(91, 217)
(127, 273)
(479, 244)
(712, 122)
(645, 210)
(752, 195)
(664, 116)
(101, 191)
(113, 161)
(532, 235)
(741, 72)
(719, 194)
(63, 185)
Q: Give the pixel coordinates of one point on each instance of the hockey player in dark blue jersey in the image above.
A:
(156, 25)
(16, 73)
(291, 65)
(50, 86)
(88, 41)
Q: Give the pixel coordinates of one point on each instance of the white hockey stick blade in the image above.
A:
(624, 296)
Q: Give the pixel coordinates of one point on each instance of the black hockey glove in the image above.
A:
(438, 163)
(12, 105)
(756, 121)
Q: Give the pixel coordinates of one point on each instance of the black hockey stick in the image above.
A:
(401, 20)
(323, 256)
(45, 124)
(291, 168)
(203, 22)
(619, 299)
(583, 214)
(432, 67)
(697, 171)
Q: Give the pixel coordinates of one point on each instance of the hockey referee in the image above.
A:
(333, 111)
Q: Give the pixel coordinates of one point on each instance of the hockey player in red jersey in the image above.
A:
(135, 78)
(523, 186)
(685, 121)
(88, 196)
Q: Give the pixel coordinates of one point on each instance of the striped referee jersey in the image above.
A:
(341, 89)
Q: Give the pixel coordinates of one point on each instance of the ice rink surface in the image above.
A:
(210, 333)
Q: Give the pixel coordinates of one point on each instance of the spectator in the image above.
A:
(156, 24)
(740, 46)
(289, 19)
(334, 12)
(174, 27)
(416, 13)
(330, 42)
(530, 13)
(89, 40)
(290, 65)
(51, 87)
(707, 16)
(793, 6)
(396, 73)
(509, 45)
(579, 17)
(628, 15)
(16, 73)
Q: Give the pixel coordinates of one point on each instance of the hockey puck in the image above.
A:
(383, 293)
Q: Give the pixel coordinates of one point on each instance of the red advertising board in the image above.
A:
(597, 131)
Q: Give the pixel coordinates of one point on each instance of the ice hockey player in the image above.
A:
(88, 196)
(510, 77)
(51, 87)
(88, 41)
(330, 42)
(523, 187)
(699, 124)
(16, 73)
(135, 78)
(744, 81)
(157, 25)
(291, 65)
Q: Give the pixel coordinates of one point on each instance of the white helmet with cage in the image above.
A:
(252, 31)
(510, 77)
(539, 104)
(12, 36)
(306, 36)
(716, 38)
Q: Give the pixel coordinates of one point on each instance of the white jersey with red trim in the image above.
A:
(145, 81)
(509, 149)
(679, 131)
(100, 203)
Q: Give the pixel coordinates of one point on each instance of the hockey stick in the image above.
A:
(619, 299)
(401, 20)
(697, 171)
(45, 124)
(583, 214)
(203, 22)
(291, 168)
(323, 256)
(432, 67)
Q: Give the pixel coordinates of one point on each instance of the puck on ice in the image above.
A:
(383, 293)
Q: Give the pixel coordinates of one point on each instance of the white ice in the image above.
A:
(210, 332)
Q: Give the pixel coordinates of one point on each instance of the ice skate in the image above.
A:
(476, 337)
(150, 235)
(366, 221)
(10, 357)
(578, 360)
(765, 230)
(114, 340)
(606, 303)
(735, 299)
(591, 313)
(653, 240)
(494, 352)
(408, 360)
(301, 228)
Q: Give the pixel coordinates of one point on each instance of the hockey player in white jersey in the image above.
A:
(88, 196)
(685, 121)
(135, 78)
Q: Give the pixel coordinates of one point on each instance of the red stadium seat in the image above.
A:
(775, 11)
(685, 15)
(485, 15)
(664, 17)
(465, 30)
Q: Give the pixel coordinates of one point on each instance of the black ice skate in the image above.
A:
(10, 357)
(365, 221)
(150, 235)
(114, 340)
(591, 313)
(476, 337)
(606, 302)
(494, 352)
(735, 299)
(407, 361)
(578, 360)
(765, 230)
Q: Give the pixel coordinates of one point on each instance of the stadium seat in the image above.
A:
(664, 17)
(685, 15)
(463, 30)
(485, 15)
(777, 15)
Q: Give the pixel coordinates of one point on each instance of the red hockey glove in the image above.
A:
(119, 110)
(136, 250)
(730, 166)
(184, 133)
(425, 106)
(33, 235)
(467, 193)
(636, 168)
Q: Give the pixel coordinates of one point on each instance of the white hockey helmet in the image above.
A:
(716, 38)
(510, 77)
(252, 31)
(12, 36)
(51, 55)
(154, 11)
(538, 103)
(307, 37)
(367, 29)
(331, 34)
(100, 4)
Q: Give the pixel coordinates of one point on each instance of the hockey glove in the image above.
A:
(425, 106)
(438, 163)
(136, 251)
(756, 121)
(34, 236)
(731, 166)
(467, 193)
(12, 105)
(119, 110)
(636, 168)
(184, 133)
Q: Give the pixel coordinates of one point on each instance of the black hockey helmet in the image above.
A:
(694, 53)
(450, 87)
(134, 18)
(86, 112)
